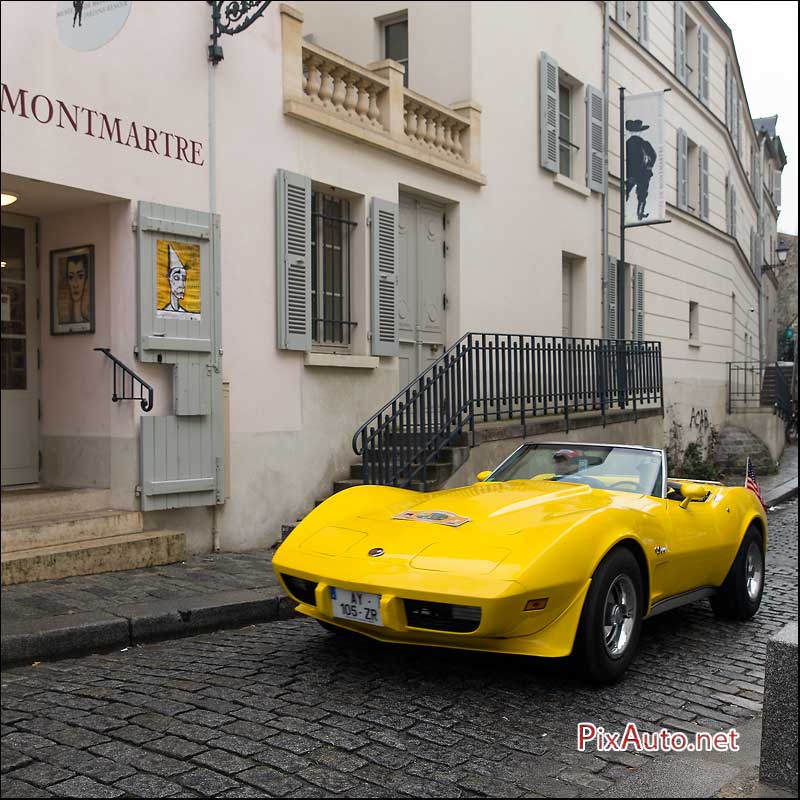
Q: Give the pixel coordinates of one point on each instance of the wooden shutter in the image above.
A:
(548, 112)
(702, 49)
(680, 42)
(596, 172)
(644, 23)
(638, 304)
(611, 298)
(293, 259)
(728, 92)
(182, 455)
(703, 161)
(620, 13)
(683, 163)
(385, 217)
(776, 187)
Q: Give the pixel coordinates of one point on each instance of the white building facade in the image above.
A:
(277, 244)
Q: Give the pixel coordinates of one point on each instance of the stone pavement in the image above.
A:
(287, 709)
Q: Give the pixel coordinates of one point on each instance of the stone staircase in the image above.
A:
(770, 379)
(56, 533)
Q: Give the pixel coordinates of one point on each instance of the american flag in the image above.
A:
(751, 483)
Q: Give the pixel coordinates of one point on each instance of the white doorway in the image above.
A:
(422, 297)
(19, 371)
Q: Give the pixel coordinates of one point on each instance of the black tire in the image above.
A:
(738, 598)
(595, 658)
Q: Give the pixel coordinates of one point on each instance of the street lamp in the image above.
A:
(782, 252)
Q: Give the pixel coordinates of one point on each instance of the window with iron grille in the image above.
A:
(330, 277)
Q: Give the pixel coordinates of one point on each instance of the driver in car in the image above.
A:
(566, 462)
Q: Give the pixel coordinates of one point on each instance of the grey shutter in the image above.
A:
(293, 259)
(703, 161)
(596, 172)
(683, 163)
(680, 42)
(644, 23)
(548, 112)
(702, 49)
(385, 217)
(728, 92)
(181, 456)
(638, 305)
(776, 187)
(728, 204)
(753, 246)
(611, 298)
(753, 168)
(733, 210)
(738, 122)
(620, 13)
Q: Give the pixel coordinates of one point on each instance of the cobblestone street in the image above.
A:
(286, 709)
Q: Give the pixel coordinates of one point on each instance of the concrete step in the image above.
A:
(107, 554)
(52, 531)
(24, 504)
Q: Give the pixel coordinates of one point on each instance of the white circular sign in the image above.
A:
(91, 24)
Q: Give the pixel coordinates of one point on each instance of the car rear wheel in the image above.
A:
(740, 595)
(611, 622)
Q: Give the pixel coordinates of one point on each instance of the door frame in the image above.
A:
(32, 333)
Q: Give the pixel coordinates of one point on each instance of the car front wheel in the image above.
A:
(611, 622)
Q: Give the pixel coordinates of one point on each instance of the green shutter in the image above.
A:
(293, 260)
(548, 112)
(384, 231)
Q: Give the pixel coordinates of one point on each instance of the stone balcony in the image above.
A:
(371, 105)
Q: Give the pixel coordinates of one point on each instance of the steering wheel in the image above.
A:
(618, 486)
(587, 479)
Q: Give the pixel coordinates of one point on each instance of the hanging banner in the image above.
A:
(644, 159)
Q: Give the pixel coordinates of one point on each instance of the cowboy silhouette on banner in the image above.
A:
(644, 158)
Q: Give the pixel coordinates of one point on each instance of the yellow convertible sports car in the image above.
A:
(563, 549)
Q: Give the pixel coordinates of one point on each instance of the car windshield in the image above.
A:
(619, 469)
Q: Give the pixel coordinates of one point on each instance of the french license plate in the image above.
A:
(356, 606)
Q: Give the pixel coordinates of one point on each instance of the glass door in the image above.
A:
(19, 339)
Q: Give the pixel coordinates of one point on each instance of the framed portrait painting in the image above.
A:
(72, 290)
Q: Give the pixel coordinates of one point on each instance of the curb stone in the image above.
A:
(65, 635)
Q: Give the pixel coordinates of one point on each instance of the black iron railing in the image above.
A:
(127, 385)
(757, 384)
(487, 377)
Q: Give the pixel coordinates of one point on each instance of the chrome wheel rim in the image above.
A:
(619, 615)
(754, 571)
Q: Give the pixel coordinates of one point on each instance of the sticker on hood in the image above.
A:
(439, 517)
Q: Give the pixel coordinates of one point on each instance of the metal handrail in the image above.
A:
(496, 376)
(748, 388)
(145, 396)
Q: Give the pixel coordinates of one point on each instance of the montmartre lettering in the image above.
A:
(98, 125)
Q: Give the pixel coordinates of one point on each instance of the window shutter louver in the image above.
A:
(738, 123)
(733, 210)
(644, 23)
(620, 13)
(776, 187)
(611, 298)
(385, 216)
(294, 261)
(638, 305)
(728, 204)
(753, 248)
(683, 160)
(548, 112)
(728, 93)
(680, 42)
(702, 49)
(596, 172)
(704, 183)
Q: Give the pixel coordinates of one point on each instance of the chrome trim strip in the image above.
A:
(678, 600)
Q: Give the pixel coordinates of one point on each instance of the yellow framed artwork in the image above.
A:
(177, 280)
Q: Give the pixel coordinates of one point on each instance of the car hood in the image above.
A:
(508, 524)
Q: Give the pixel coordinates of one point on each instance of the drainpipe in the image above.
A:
(604, 199)
(212, 207)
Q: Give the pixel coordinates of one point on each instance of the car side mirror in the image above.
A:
(482, 476)
(692, 491)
